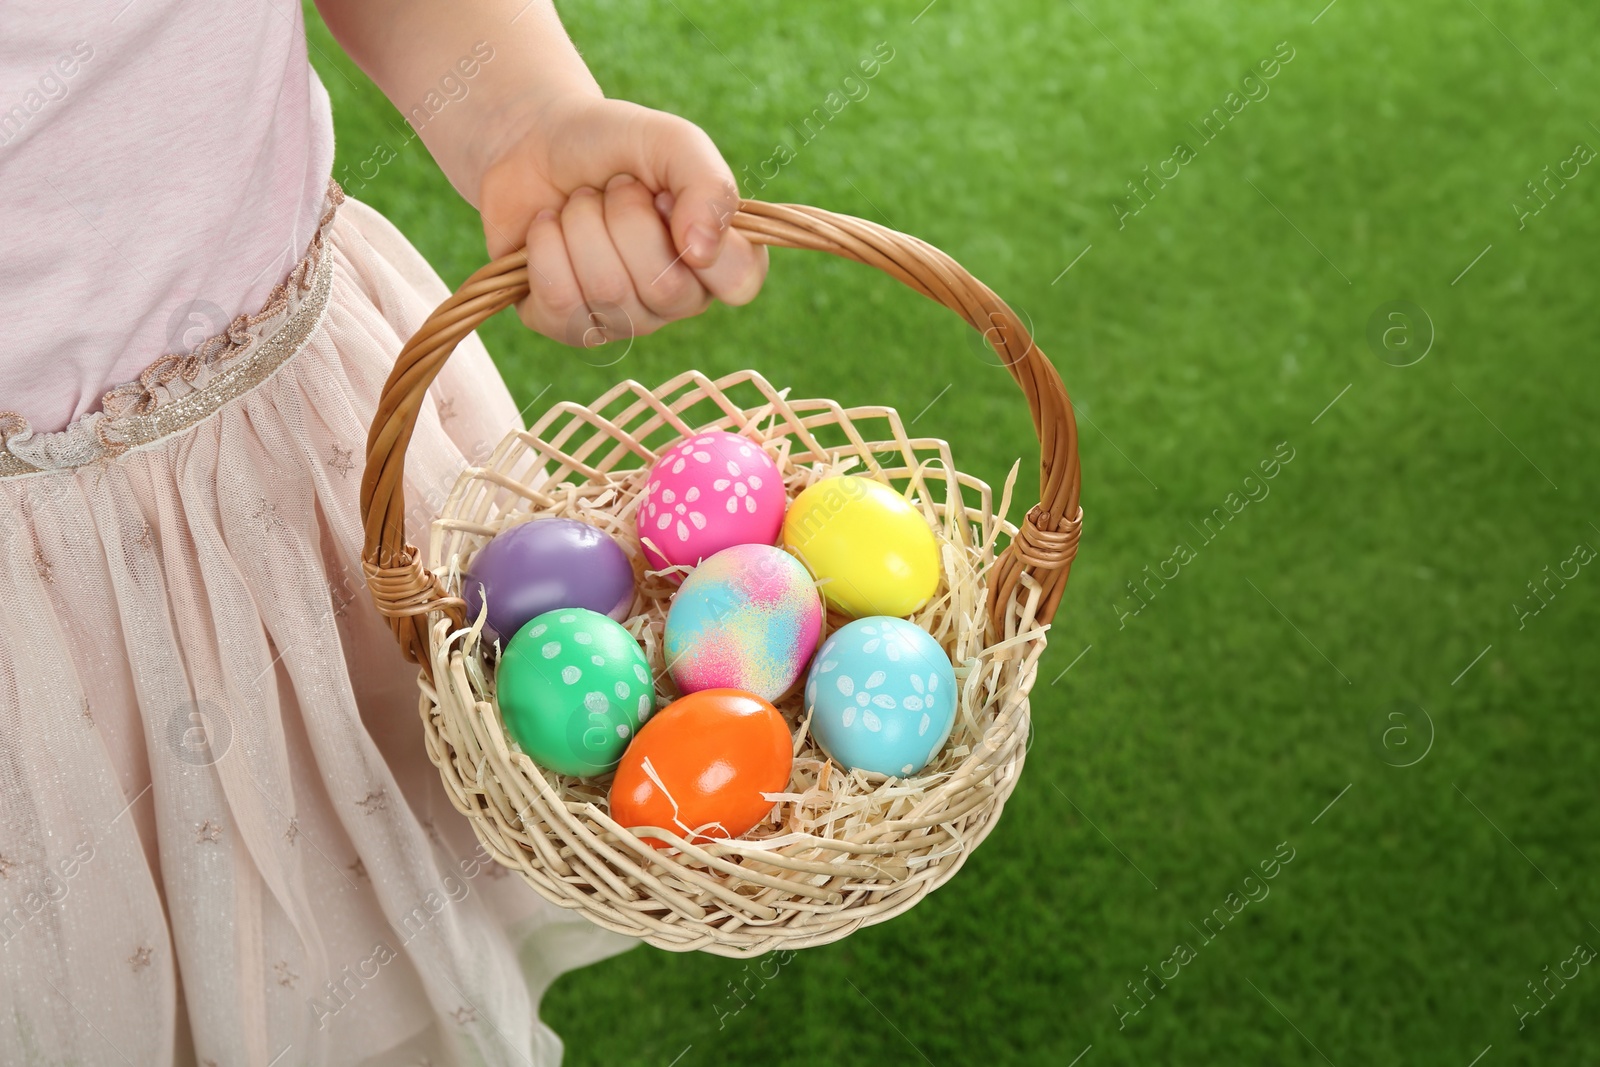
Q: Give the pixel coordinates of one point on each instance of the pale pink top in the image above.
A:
(162, 167)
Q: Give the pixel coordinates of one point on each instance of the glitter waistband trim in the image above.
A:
(178, 390)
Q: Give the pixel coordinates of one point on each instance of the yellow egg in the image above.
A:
(872, 551)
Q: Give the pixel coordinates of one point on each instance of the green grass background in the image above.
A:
(1221, 320)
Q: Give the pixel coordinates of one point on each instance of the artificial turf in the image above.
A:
(1366, 607)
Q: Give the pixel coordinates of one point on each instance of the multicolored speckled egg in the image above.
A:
(747, 618)
(883, 696)
(707, 493)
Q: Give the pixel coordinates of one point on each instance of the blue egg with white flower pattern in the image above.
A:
(882, 695)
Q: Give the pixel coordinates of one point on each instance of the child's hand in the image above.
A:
(547, 159)
(624, 212)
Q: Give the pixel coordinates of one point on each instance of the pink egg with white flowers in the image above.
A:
(707, 493)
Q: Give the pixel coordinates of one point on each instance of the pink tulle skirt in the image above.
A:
(221, 841)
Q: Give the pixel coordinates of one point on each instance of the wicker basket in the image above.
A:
(842, 850)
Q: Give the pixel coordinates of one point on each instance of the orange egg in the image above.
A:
(713, 754)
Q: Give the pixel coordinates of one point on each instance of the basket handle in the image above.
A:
(406, 592)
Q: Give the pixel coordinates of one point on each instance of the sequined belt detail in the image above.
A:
(99, 435)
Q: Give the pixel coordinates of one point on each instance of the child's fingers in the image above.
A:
(607, 286)
(555, 300)
(664, 284)
(737, 275)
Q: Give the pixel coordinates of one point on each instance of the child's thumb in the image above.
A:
(704, 193)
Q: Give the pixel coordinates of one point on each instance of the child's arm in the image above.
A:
(623, 209)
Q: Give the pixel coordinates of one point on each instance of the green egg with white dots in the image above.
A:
(573, 687)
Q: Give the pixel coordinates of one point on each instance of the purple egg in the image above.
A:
(547, 564)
